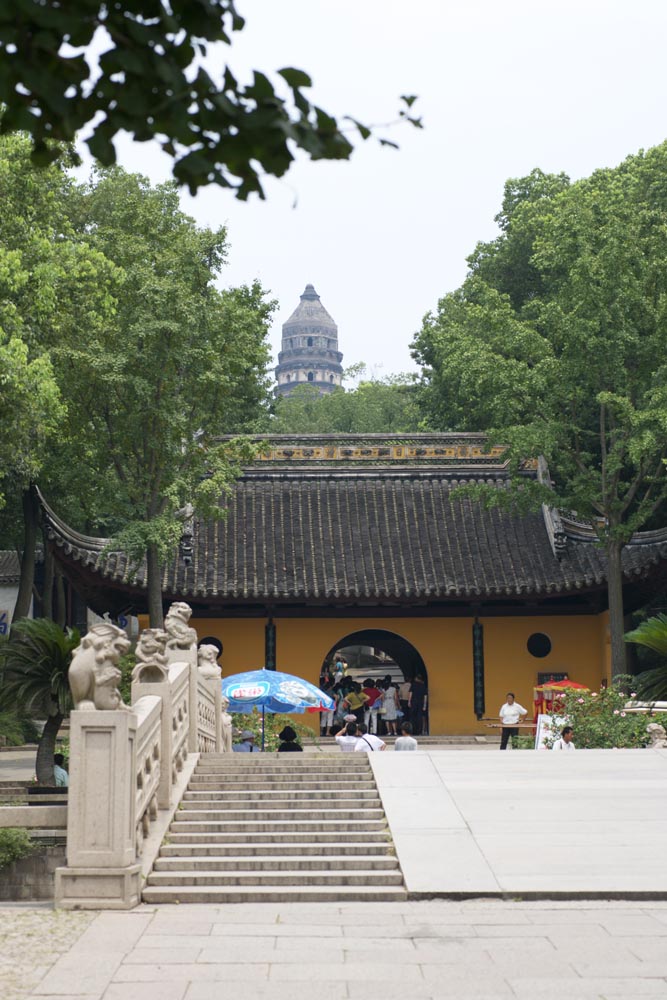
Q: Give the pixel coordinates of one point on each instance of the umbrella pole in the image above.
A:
(262, 728)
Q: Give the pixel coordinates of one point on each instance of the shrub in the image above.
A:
(15, 843)
(273, 724)
(600, 718)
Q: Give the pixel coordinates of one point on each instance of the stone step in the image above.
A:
(271, 849)
(261, 812)
(319, 801)
(274, 894)
(285, 785)
(278, 837)
(346, 764)
(276, 878)
(279, 795)
(264, 826)
(261, 862)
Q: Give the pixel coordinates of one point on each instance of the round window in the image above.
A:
(539, 644)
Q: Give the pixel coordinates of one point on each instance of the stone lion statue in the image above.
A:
(657, 735)
(151, 664)
(226, 726)
(207, 662)
(181, 636)
(93, 674)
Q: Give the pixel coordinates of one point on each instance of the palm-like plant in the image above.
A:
(34, 660)
(652, 684)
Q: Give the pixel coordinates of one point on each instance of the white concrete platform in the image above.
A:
(586, 824)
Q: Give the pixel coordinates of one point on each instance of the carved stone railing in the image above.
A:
(127, 764)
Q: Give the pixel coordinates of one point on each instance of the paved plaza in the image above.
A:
(570, 845)
(480, 948)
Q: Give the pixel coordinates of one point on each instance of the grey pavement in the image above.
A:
(528, 824)
(590, 825)
(17, 764)
(483, 948)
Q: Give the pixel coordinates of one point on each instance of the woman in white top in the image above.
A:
(390, 707)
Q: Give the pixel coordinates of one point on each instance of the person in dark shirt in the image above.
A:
(417, 702)
(289, 744)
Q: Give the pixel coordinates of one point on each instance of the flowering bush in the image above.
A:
(600, 718)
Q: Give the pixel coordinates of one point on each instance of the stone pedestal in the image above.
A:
(102, 869)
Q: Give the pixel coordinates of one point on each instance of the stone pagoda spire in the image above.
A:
(309, 349)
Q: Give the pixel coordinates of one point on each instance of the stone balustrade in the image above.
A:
(128, 764)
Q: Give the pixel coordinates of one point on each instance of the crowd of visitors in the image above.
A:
(381, 706)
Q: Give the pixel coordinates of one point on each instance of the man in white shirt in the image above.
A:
(565, 741)
(347, 738)
(510, 715)
(368, 742)
(59, 773)
(406, 741)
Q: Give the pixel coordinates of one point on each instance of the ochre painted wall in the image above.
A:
(445, 645)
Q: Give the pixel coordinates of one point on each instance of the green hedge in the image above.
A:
(15, 843)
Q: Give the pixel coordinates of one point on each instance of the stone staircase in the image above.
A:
(278, 828)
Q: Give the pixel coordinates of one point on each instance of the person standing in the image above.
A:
(368, 742)
(371, 707)
(404, 697)
(390, 706)
(406, 741)
(347, 739)
(60, 775)
(510, 715)
(565, 741)
(417, 703)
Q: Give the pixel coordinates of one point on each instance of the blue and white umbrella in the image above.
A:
(273, 691)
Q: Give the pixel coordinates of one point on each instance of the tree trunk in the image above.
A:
(27, 578)
(616, 614)
(46, 750)
(154, 574)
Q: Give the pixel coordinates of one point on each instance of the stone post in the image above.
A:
(102, 869)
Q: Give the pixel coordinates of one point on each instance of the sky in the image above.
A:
(503, 85)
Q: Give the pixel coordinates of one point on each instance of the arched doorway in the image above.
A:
(376, 654)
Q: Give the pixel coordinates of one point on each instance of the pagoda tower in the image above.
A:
(309, 348)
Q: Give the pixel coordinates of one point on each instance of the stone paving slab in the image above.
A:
(525, 823)
(483, 948)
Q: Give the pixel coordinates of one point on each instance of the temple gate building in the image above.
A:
(309, 348)
(333, 541)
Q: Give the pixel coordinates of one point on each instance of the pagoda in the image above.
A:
(309, 349)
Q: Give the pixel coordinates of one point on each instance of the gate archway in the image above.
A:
(376, 653)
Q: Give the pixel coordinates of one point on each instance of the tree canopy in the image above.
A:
(375, 406)
(556, 344)
(154, 80)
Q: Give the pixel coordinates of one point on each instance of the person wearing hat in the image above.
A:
(289, 743)
(247, 744)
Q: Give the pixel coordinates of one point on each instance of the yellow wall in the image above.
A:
(445, 645)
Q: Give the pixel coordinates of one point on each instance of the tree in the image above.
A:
(572, 365)
(34, 660)
(52, 285)
(375, 406)
(152, 82)
(652, 634)
(179, 364)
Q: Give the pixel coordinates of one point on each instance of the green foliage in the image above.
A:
(17, 728)
(652, 634)
(556, 345)
(34, 660)
(375, 406)
(15, 843)
(273, 724)
(151, 82)
(600, 718)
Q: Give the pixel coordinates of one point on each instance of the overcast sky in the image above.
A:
(503, 85)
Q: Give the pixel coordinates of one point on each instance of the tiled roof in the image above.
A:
(10, 568)
(373, 537)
